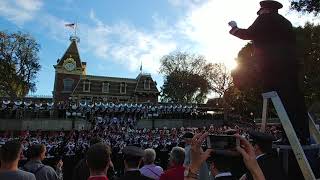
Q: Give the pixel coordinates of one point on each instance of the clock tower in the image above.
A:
(68, 72)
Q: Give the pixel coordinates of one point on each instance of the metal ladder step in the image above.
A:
(290, 132)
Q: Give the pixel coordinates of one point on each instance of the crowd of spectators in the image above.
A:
(117, 133)
(114, 147)
(140, 164)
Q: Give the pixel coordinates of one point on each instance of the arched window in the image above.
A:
(67, 84)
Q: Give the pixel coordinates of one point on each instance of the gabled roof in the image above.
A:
(73, 52)
(141, 78)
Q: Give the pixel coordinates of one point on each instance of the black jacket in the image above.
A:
(274, 46)
(81, 171)
(133, 175)
(271, 168)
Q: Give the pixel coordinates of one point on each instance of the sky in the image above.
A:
(116, 36)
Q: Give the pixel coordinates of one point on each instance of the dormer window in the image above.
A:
(86, 86)
(123, 88)
(105, 87)
(146, 84)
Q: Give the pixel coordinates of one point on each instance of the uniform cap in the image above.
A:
(133, 151)
(263, 140)
(261, 137)
(271, 4)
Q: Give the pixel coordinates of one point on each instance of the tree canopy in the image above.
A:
(188, 78)
(185, 78)
(308, 52)
(244, 96)
(19, 64)
(219, 78)
(309, 6)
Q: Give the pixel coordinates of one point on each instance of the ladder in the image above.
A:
(290, 132)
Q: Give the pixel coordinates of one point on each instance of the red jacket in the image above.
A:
(174, 173)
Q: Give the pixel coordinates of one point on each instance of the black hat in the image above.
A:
(264, 140)
(261, 137)
(271, 4)
(188, 135)
(133, 151)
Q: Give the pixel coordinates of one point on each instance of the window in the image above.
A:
(86, 86)
(105, 87)
(146, 84)
(123, 88)
(67, 85)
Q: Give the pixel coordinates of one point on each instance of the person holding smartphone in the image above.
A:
(198, 156)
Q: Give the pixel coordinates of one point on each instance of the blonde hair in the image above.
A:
(149, 156)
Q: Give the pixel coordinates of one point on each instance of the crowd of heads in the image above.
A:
(114, 134)
(136, 147)
(117, 134)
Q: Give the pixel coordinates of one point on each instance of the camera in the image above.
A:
(222, 142)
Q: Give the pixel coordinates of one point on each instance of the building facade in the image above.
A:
(73, 83)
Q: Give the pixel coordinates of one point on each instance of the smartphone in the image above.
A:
(222, 142)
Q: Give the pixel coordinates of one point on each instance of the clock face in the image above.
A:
(69, 66)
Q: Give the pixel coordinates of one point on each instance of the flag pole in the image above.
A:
(75, 29)
(141, 67)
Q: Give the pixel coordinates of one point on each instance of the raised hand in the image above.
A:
(249, 158)
(232, 24)
(197, 154)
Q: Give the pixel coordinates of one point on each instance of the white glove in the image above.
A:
(232, 24)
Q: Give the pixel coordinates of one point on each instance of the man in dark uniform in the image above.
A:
(220, 164)
(268, 162)
(277, 66)
(132, 160)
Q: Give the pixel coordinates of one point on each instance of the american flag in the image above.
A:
(71, 25)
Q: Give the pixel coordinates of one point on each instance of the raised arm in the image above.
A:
(249, 158)
(247, 34)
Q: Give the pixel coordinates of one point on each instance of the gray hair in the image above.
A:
(177, 155)
(149, 156)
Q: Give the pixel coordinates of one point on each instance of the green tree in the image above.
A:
(244, 96)
(220, 80)
(19, 64)
(185, 78)
(308, 52)
(309, 6)
(245, 75)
